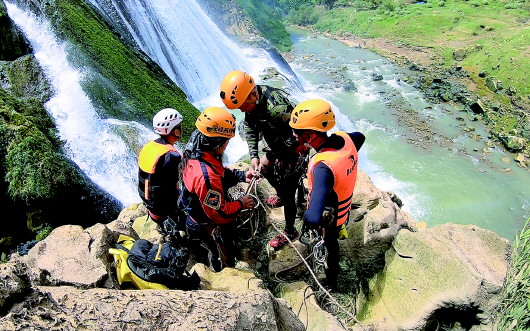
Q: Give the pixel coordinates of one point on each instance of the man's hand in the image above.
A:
(247, 201)
(251, 174)
(255, 164)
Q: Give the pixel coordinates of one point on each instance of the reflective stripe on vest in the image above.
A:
(150, 155)
(343, 164)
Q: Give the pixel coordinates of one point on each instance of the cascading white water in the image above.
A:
(89, 141)
(176, 34)
(182, 39)
(191, 50)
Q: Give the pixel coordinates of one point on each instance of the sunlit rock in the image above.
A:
(448, 272)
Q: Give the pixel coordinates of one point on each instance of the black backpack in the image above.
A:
(159, 263)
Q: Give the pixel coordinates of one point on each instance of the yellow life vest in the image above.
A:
(151, 153)
(343, 164)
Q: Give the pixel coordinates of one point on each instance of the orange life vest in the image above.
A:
(343, 164)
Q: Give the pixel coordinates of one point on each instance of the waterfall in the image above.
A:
(79, 126)
(181, 38)
(177, 35)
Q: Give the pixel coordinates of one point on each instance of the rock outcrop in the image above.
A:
(448, 274)
(406, 278)
(12, 42)
(70, 308)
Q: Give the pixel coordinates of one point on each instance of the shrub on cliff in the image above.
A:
(513, 312)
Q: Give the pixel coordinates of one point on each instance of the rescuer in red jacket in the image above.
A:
(206, 181)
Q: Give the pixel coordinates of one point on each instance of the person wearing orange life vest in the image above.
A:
(331, 175)
(158, 164)
(209, 209)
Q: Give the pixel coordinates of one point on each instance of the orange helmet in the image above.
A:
(314, 114)
(235, 88)
(216, 122)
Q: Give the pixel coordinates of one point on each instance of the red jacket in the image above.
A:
(206, 184)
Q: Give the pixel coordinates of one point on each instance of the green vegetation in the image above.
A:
(44, 232)
(33, 164)
(268, 21)
(513, 311)
(503, 34)
(490, 37)
(143, 87)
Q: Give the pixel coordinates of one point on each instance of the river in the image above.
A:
(444, 173)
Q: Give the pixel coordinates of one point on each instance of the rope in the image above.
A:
(254, 222)
(319, 284)
(320, 258)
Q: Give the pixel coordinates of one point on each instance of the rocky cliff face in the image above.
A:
(451, 275)
(12, 43)
(229, 17)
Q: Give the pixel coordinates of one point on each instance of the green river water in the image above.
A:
(444, 171)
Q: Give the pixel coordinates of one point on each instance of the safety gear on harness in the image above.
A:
(150, 189)
(235, 88)
(166, 120)
(216, 122)
(314, 114)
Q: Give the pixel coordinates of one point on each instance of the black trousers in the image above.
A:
(221, 248)
(284, 174)
(331, 242)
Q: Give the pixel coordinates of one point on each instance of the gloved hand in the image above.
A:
(309, 233)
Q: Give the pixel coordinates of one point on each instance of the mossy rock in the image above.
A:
(444, 269)
(37, 179)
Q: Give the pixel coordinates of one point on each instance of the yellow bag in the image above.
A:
(124, 273)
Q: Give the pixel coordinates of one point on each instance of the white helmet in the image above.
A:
(166, 120)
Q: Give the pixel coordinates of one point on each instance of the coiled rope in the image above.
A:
(326, 292)
(318, 251)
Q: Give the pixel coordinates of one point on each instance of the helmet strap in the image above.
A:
(316, 138)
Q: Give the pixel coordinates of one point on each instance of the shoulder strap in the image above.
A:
(205, 174)
(268, 90)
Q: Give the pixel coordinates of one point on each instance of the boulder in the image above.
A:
(302, 300)
(228, 279)
(286, 263)
(12, 285)
(147, 229)
(448, 273)
(70, 308)
(513, 143)
(72, 256)
(478, 107)
(493, 84)
(459, 54)
(373, 224)
(521, 160)
(24, 78)
(377, 77)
